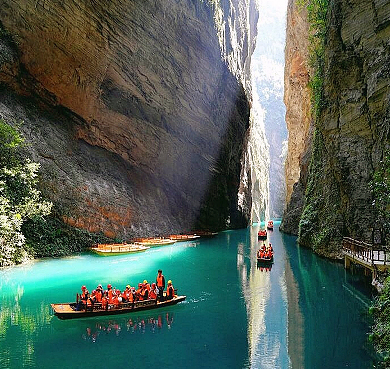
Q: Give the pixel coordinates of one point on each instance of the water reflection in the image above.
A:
(18, 327)
(128, 326)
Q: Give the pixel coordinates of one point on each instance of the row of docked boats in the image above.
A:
(143, 244)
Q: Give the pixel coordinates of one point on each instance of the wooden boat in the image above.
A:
(183, 237)
(265, 261)
(118, 248)
(68, 310)
(205, 234)
(270, 225)
(155, 241)
(262, 234)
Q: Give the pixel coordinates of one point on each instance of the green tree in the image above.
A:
(380, 186)
(19, 197)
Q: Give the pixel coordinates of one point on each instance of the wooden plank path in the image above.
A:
(364, 254)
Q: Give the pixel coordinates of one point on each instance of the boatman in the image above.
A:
(160, 282)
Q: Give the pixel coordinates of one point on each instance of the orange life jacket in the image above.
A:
(110, 296)
(152, 294)
(170, 291)
(160, 281)
(99, 295)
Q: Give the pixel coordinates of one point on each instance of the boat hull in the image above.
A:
(66, 310)
(118, 249)
(265, 261)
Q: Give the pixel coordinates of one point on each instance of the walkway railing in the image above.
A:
(365, 252)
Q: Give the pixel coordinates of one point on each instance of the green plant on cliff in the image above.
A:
(317, 13)
(319, 226)
(380, 335)
(380, 186)
(49, 236)
(20, 199)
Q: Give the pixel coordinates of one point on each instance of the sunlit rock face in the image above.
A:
(354, 126)
(298, 114)
(137, 109)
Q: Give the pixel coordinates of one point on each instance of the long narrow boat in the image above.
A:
(118, 248)
(68, 310)
(156, 241)
(183, 237)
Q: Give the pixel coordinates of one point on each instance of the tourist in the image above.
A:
(81, 303)
(153, 293)
(110, 294)
(160, 282)
(99, 293)
(170, 291)
(139, 292)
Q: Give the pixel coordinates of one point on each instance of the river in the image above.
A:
(306, 312)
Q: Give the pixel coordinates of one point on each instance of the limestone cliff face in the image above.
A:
(134, 113)
(298, 113)
(353, 130)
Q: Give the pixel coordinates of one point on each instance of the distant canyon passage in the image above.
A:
(136, 110)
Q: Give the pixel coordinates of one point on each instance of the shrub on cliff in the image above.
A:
(380, 335)
(19, 197)
(380, 186)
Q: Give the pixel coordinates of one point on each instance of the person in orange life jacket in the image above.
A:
(117, 299)
(110, 294)
(160, 282)
(170, 291)
(99, 293)
(92, 299)
(126, 294)
(105, 302)
(139, 292)
(83, 298)
(133, 295)
(144, 292)
(147, 285)
(153, 292)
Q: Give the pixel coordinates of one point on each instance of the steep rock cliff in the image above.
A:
(298, 113)
(352, 131)
(137, 110)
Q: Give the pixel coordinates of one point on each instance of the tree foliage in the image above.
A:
(20, 199)
(380, 335)
(380, 186)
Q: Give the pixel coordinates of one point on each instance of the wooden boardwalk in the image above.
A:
(364, 254)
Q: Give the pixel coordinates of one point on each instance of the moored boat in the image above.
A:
(205, 234)
(69, 310)
(118, 248)
(270, 225)
(154, 241)
(183, 237)
(262, 234)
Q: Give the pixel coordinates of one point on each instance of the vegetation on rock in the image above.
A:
(380, 335)
(20, 199)
(380, 186)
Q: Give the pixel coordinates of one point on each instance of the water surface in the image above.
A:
(305, 312)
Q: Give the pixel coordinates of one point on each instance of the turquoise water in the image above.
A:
(305, 312)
